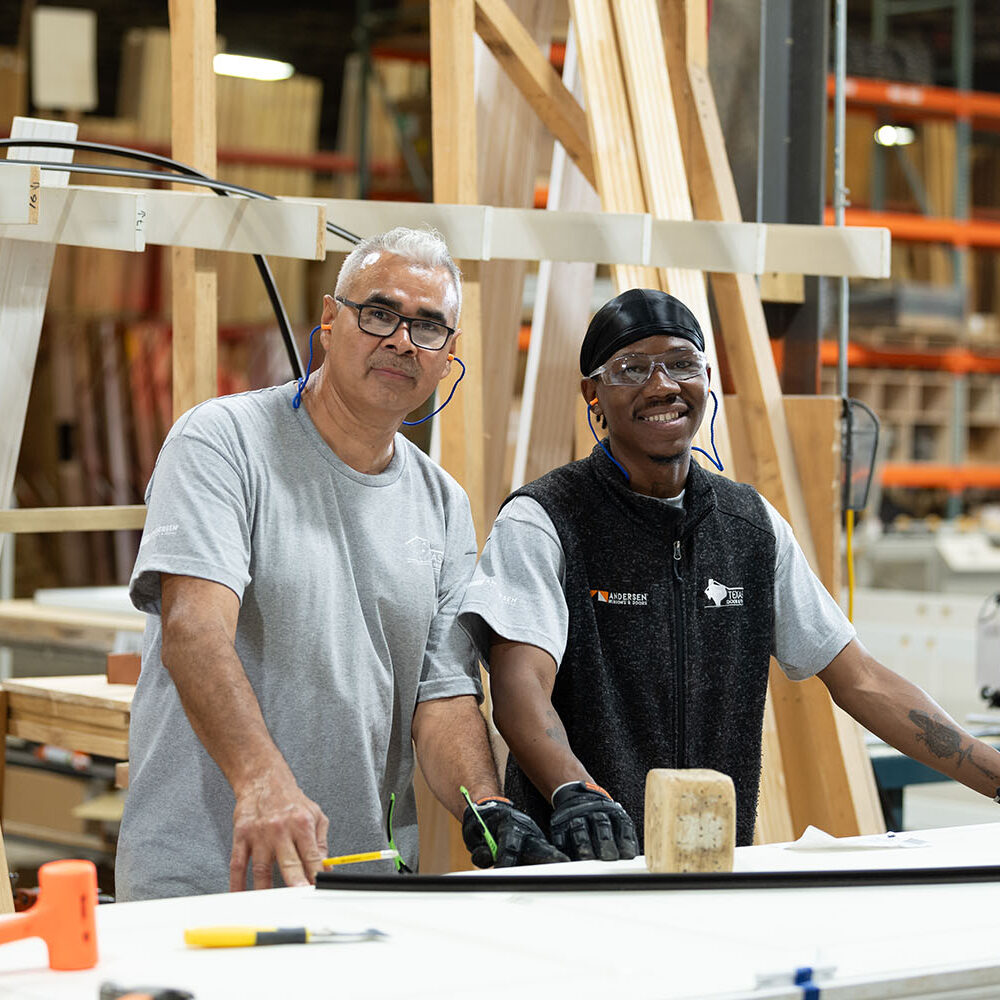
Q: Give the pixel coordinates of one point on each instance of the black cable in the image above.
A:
(191, 176)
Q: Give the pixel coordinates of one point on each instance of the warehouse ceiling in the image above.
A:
(315, 36)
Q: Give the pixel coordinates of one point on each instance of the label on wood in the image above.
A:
(690, 820)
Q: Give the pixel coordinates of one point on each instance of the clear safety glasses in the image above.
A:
(635, 369)
(380, 321)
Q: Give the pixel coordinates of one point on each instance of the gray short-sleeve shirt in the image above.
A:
(349, 585)
(518, 592)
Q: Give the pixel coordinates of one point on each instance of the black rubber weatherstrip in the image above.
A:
(643, 881)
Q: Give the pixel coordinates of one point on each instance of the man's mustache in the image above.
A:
(407, 366)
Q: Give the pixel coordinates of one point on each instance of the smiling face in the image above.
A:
(651, 426)
(387, 377)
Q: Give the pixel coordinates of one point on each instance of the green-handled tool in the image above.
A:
(487, 836)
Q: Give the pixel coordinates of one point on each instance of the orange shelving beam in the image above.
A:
(982, 108)
(957, 360)
(913, 228)
(930, 475)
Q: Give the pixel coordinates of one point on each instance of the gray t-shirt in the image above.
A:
(518, 592)
(348, 585)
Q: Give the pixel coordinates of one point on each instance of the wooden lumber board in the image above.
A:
(45, 519)
(485, 232)
(25, 705)
(83, 690)
(280, 228)
(509, 138)
(774, 819)
(551, 400)
(815, 424)
(741, 316)
(654, 124)
(6, 893)
(24, 622)
(85, 217)
(460, 429)
(86, 739)
(19, 195)
(193, 131)
(25, 269)
(615, 157)
(795, 250)
(529, 69)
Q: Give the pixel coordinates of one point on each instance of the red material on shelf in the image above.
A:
(940, 102)
(957, 360)
(924, 228)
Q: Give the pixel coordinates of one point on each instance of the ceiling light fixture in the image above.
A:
(251, 67)
(894, 135)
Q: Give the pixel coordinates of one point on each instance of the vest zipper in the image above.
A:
(681, 655)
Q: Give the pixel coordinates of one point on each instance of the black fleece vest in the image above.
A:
(671, 618)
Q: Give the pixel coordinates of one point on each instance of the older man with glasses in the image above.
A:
(301, 568)
(628, 605)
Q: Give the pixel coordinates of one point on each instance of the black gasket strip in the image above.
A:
(660, 882)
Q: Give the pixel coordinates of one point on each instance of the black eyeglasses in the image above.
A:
(378, 321)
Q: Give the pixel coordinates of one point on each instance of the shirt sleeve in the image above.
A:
(810, 629)
(450, 667)
(518, 589)
(197, 520)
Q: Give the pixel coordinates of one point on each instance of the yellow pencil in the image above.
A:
(353, 859)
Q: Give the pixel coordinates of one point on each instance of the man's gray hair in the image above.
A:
(421, 246)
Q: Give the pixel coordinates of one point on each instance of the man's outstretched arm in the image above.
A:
(586, 821)
(273, 820)
(904, 716)
(454, 752)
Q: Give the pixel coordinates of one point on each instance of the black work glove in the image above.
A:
(588, 824)
(518, 837)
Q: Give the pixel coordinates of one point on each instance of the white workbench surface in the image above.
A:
(560, 944)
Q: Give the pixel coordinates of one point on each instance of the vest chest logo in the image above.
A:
(620, 597)
(721, 596)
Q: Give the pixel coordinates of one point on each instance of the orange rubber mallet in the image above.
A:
(63, 917)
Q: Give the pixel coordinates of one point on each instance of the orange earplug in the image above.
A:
(326, 326)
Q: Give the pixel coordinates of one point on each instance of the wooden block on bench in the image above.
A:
(690, 821)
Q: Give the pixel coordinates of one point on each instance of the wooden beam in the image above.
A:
(563, 294)
(616, 161)
(654, 124)
(193, 131)
(453, 128)
(19, 184)
(741, 316)
(509, 139)
(810, 717)
(85, 217)
(460, 429)
(28, 520)
(25, 269)
(531, 72)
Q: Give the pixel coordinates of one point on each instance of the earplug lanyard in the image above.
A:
(301, 383)
(717, 462)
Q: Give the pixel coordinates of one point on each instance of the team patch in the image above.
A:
(721, 596)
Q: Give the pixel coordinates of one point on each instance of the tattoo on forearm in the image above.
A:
(556, 731)
(942, 740)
